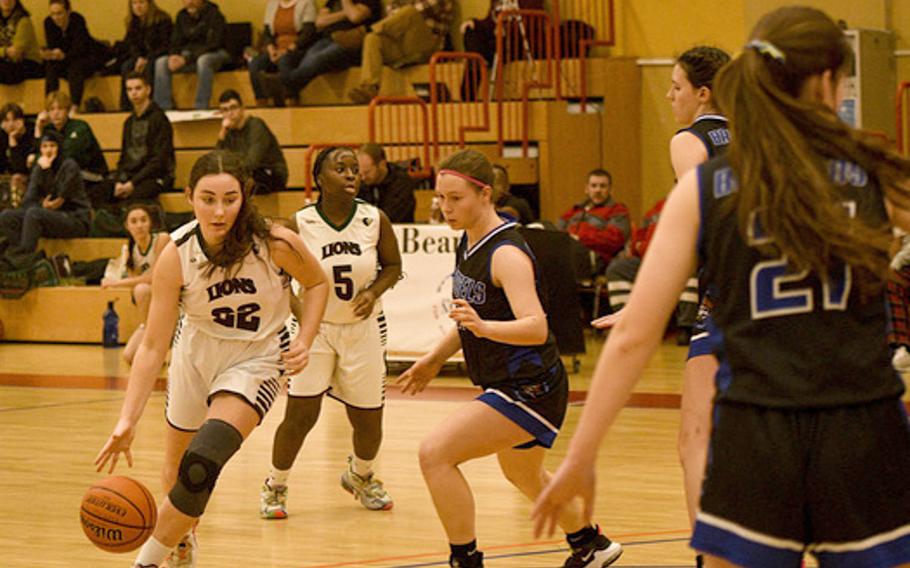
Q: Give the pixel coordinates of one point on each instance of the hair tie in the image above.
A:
(473, 180)
(767, 48)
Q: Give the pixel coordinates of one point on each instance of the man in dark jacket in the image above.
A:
(146, 164)
(197, 44)
(71, 53)
(250, 137)
(16, 144)
(79, 142)
(387, 186)
(55, 204)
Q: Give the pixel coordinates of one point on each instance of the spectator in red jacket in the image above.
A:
(599, 223)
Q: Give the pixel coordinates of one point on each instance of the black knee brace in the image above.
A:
(211, 448)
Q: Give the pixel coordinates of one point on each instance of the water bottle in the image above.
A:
(111, 330)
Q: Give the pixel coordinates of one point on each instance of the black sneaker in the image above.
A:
(599, 553)
(699, 561)
(473, 561)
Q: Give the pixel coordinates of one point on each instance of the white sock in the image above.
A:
(363, 468)
(278, 476)
(153, 553)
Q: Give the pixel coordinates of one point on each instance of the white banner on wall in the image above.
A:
(417, 307)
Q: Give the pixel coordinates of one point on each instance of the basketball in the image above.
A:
(118, 514)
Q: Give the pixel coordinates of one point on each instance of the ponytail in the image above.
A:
(782, 145)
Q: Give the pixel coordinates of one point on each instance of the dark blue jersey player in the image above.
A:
(510, 352)
(810, 446)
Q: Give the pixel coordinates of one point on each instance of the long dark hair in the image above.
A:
(18, 11)
(781, 146)
(248, 225)
(154, 217)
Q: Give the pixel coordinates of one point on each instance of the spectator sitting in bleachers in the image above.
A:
(146, 164)
(145, 241)
(386, 185)
(19, 53)
(512, 205)
(599, 224)
(250, 137)
(148, 36)
(79, 142)
(480, 37)
(55, 204)
(197, 45)
(411, 32)
(71, 52)
(624, 267)
(15, 148)
(342, 25)
(290, 27)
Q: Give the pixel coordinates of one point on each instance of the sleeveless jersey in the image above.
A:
(252, 304)
(143, 261)
(786, 339)
(488, 361)
(711, 129)
(347, 254)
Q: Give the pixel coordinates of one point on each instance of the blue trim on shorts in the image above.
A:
(543, 435)
(700, 346)
(890, 553)
(739, 550)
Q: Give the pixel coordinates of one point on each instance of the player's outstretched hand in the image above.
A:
(119, 443)
(571, 480)
(418, 375)
(608, 321)
(296, 357)
(466, 317)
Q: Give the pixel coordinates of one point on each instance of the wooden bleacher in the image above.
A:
(566, 145)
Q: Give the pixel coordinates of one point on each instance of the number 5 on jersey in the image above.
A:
(344, 285)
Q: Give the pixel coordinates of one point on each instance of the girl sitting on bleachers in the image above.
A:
(134, 267)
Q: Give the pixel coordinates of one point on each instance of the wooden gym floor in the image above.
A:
(59, 402)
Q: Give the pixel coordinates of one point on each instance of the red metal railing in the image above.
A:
(402, 126)
(902, 125)
(524, 48)
(600, 16)
(470, 81)
(308, 156)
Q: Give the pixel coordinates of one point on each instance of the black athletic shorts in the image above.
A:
(834, 483)
(537, 405)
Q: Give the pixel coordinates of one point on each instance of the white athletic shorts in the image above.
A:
(202, 365)
(347, 362)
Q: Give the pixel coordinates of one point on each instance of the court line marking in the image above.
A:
(499, 547)
(562, 551)
(442, 393)
(59, 404)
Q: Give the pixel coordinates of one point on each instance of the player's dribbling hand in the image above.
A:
(464, 315)
(608, 321)
(418, 375)
(363, 303)
(569, 481)
(296, 357)
(119, 442)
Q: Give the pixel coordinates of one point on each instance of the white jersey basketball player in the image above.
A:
(354, 243)
(228, 274)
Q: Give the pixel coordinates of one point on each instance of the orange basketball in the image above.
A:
(118, 514)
